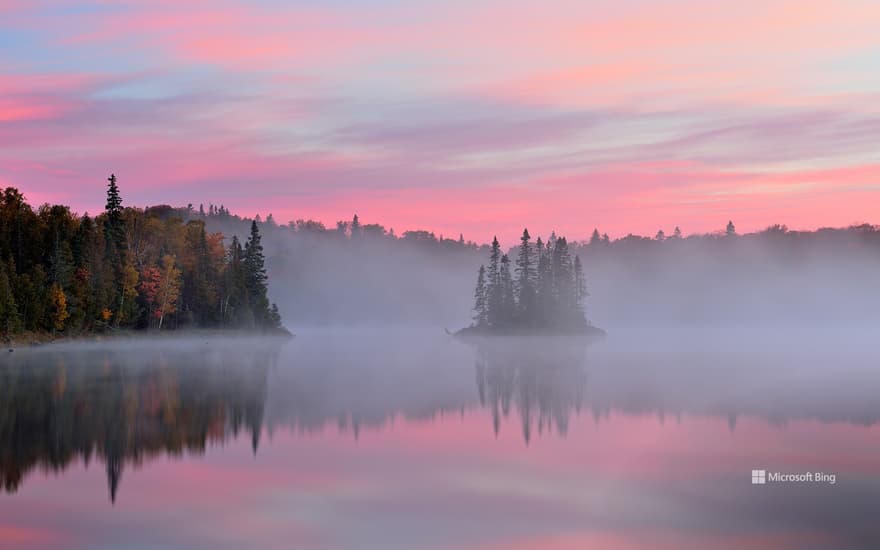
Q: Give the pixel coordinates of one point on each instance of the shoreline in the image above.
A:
(38, 339)
(588, 332)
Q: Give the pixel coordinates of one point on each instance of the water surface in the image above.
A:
(364, 439)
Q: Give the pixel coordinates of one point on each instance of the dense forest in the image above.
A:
(127, 268)
(547, 292)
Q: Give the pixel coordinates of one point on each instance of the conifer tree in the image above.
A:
(480, 313)
(526, 277)
(493, 287)
(115, 245)
(355, 227)
(255, 276)
(731, 229)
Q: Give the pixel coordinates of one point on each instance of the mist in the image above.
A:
(775, 279)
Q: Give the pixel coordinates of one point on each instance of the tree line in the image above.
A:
(547, 291)
(127, 268)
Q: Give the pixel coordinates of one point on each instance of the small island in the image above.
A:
(546, 297)
(126, 270)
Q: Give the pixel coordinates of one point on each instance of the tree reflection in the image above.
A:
(543, 381)
(125, 407)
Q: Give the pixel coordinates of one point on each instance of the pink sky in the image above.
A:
(473, 117)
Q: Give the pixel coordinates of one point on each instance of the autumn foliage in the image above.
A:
(125, 268)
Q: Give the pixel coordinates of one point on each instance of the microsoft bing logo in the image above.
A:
(759, 477)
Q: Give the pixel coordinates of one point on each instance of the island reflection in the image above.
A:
(126, 405)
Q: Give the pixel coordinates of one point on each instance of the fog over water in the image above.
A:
(374, 428)
(408, 436)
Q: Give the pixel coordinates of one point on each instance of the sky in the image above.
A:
(457, 116)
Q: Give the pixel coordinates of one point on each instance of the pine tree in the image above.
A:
(563, 295)
(676, 234)
(731, 229)
(480, 313)
(255, 278)
(595, 239)
(355, 227)
(493, 286)
(526, 277)
(115, 244)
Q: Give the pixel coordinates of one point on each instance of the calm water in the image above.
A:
(413, 440)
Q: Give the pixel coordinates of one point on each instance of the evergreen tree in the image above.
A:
(676, 234)
(526, 277)
(115, 244)
(480, 313)
(255, 275)
(660, 236)
(256, 282)
(731, 229)
(355, 227)
(543, 290)
(595, 239)
(563, 294)
(494, 291)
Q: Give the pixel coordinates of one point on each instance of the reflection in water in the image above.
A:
(366, 437)
(128, 403)
(125, 406)
(544, 385)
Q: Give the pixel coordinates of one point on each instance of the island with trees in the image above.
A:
(543, 293)
(127, 269)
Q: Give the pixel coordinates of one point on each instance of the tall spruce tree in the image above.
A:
(480, 313)
(494, 291)
(255, 276)
(526, 278)
(355, 227)
(115, 246)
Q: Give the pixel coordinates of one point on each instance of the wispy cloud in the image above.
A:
(622, 114)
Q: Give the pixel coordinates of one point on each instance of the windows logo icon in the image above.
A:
(759, 477)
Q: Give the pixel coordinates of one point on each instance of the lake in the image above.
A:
(411, 439)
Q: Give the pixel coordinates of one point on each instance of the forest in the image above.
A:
(126, 268)
(547, 292)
